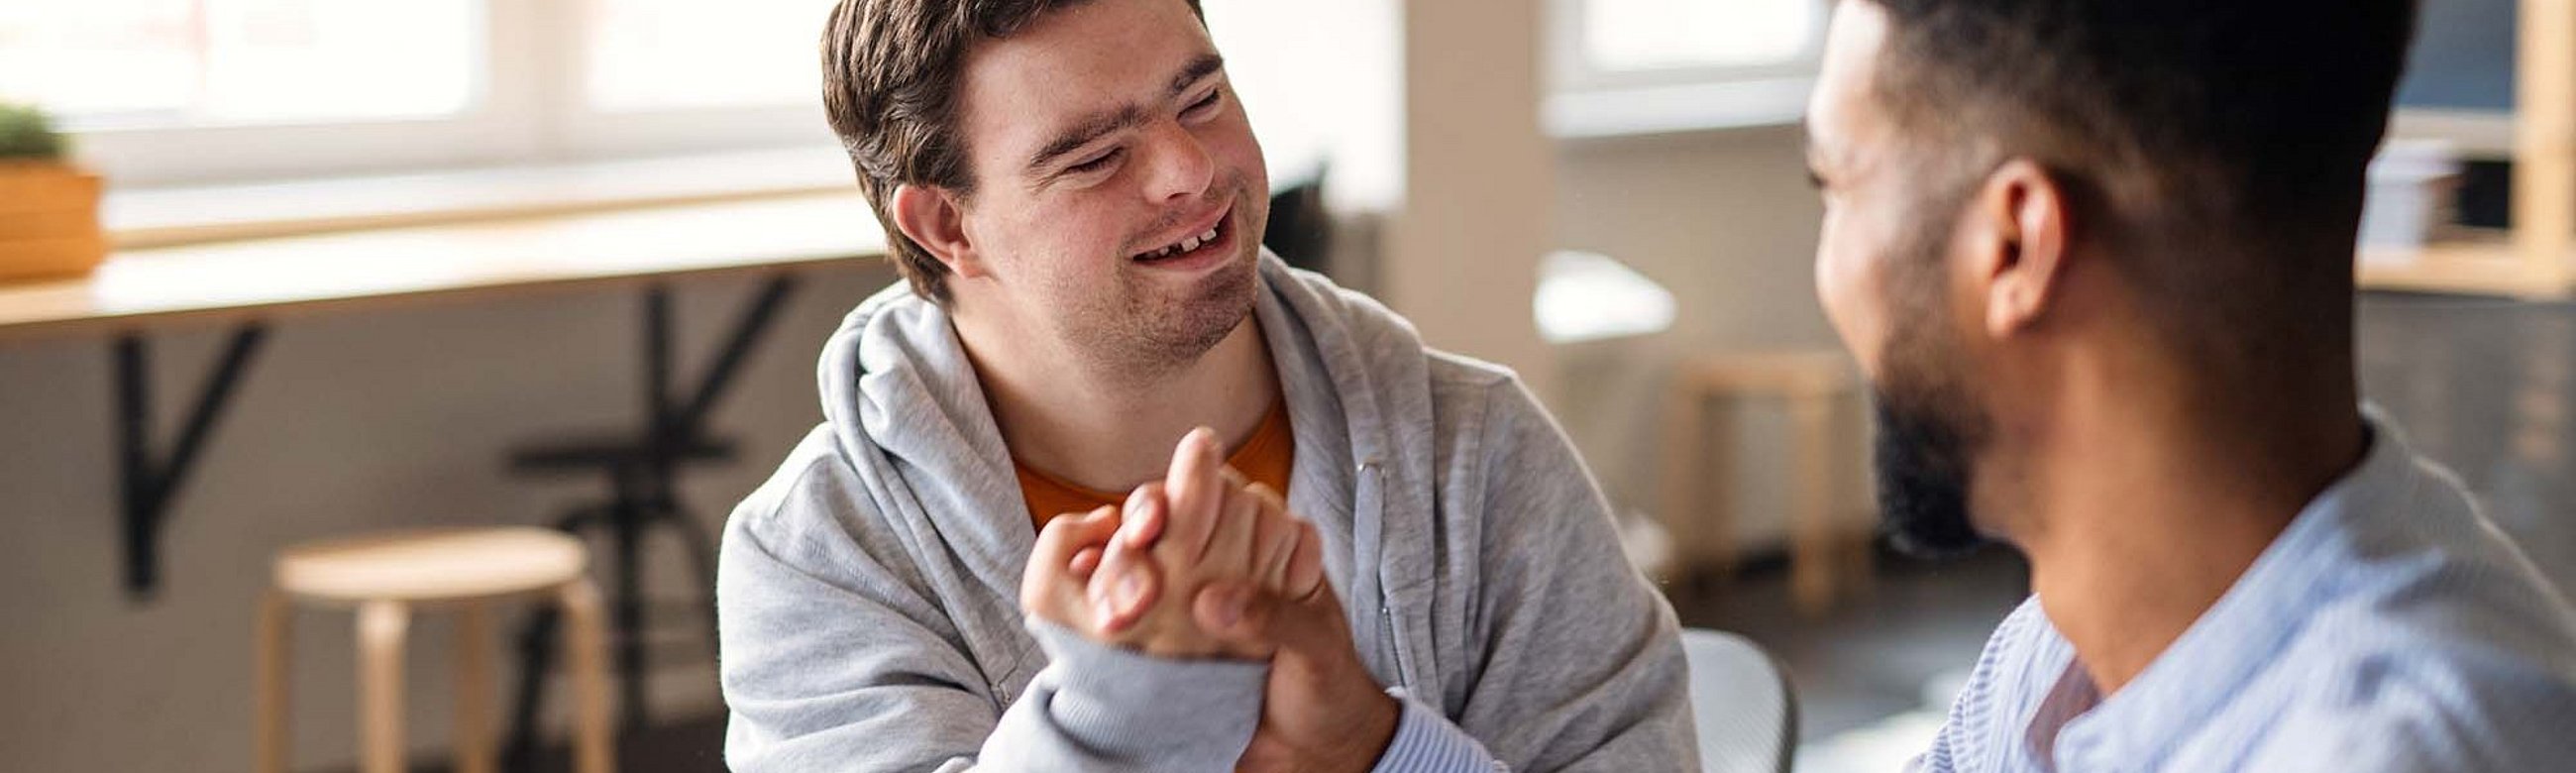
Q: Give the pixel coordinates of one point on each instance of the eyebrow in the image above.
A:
(1095, 126)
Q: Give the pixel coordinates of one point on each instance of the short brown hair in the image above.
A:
(890, 73)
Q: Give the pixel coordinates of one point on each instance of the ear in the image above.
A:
(2021, 219)
(932, 218)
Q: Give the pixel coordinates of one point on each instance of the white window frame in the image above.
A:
(529, 109)
(1588, 102)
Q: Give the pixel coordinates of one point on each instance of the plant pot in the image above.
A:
(48, 221)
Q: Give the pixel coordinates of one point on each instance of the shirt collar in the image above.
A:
(2232, 642)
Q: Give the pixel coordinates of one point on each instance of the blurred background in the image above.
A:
(378, 265)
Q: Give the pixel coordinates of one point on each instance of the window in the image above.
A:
(1643, 36)
(201, 90)
(212, 62)
(1645, 66)
(661, 54)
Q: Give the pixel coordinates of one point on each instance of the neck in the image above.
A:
(2148, 495)
(1108, 428)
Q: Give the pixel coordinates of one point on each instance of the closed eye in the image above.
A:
(1206, 104)
(1096, 163)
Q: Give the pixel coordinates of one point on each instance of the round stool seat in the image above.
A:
(432, 565)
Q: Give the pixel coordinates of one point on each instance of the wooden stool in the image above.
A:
(1823, 552)
(385, 576)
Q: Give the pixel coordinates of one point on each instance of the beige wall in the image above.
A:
(380, 419)
(351, 421)
(1725, 220)
(399, 418)
(1465, 240)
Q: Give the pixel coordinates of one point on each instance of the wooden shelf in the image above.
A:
(2484, 265)
(2536, 260)
(266, 278)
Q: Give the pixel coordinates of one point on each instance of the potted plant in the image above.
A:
(48, 206)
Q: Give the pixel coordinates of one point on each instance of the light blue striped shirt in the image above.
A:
(1426, 742)
(2391, 627)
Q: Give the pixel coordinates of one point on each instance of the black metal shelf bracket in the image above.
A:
(748, 328)
(151, 481)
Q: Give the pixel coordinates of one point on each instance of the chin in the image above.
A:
(1225, 297)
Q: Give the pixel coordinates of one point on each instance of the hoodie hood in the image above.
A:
(908, 413)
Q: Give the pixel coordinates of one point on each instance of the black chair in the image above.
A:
(1300, 228)
(641, 468)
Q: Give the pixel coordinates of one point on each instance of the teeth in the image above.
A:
(1196, 242)
(1186, 245)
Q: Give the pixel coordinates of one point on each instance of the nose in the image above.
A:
(1181, 167)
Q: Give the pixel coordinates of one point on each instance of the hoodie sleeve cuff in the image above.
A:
(1426, 742)
(1194, 714)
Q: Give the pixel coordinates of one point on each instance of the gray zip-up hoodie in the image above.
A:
(868, 593)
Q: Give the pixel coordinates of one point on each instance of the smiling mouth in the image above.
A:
(1187, 246)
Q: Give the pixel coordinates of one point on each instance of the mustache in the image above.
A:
(1233, 190)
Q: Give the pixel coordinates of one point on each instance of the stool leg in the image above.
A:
(276, 629)
(585, 652)
(473, 689)
(626, 609)
(1817, 550)
(537, 644)
(1720, 480)
(1859, 540)
(1682, 475)
(381, 628)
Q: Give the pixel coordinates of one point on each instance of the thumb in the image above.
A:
(1240, 613)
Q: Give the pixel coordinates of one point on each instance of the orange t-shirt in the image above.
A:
(1266, 458)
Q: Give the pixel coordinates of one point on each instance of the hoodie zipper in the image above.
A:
(1390, 642)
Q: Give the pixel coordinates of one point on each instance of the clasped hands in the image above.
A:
(1205, 564)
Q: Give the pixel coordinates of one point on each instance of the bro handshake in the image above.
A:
(1206, 564)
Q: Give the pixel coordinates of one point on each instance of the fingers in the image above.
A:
(1228, 553)
(1144, 515)
(1194, 490)
(1242, 617)
(1118, 602)
(1067, 535)
(1225, 609)
(1274, 540)
(1046, 585)
(1127, 554)
(1146, 511)
(1125, 586)
(1305, 576)
(1288, 553)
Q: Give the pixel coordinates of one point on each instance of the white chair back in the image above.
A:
(1747, 715)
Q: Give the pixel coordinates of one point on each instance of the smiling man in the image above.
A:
(1074, 197)
(2096, 258)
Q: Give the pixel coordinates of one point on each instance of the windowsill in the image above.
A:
(157, 217)
(1725, 106)
(1689, 108)
(2478, 135)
